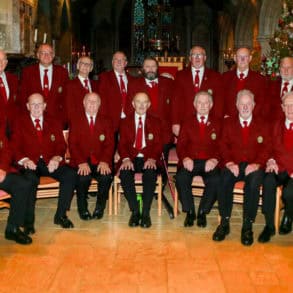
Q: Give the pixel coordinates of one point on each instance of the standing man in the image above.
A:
(279, 87)
(197, 149)
(244, 147)
(91, 145)
(39, 149)
(77, 88)
(280, 172)
(140, 147)
(113, 88)
(196, 77)
(8, 94)
(46, 79)
(244, 78)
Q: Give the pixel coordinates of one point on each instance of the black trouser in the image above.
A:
(67, 178)
(149, 178)
(20, 190)
(83, 184)
(271, 181)
(252, 185)
(183, 184)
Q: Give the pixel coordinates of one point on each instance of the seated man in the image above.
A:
(280, 172)
(244, 148)
(140, 147)
(197, 149)
(20, 190)
(39, 148)
(91, 145)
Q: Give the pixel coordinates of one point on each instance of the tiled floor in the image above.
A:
(108, 256)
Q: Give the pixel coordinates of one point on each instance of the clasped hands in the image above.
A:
(84, 169)
(128, 165)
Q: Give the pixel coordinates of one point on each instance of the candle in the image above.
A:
(68, 67)
(36, 35)
(53, 45)
(45, 38)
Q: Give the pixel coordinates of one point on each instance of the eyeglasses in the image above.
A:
(43, 53)
(197, 55)
(36, 105)
(85, 64)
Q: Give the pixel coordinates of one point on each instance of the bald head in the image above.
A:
(286, 68)
(91, 103)
(36, 105)
(141, 102)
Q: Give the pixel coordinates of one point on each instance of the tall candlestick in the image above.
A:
(45, 38)
(36, 35)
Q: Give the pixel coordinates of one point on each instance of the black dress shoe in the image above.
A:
(201, 219)
(64, 222)
(98, 214)
(190, 217)
(221, 232)
(29, 230)
(246, 236)
(18, 236)
(286, 225)
(145, 221)
(85, 215)
(266, 234)
(134, 219)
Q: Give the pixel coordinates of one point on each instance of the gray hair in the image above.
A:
(245, 92)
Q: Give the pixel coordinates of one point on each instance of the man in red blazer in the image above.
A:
(113, 88)
(197, 77)
(76, 89)
(91, 145)
(197, 150)
(244, 78)
(8, 94)
(244, 147)
(39, 149)
(20, 190)
(47, 79)
(140, 147)
(279, 172)
(279, 87)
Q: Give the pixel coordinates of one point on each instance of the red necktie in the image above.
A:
(92, 125)
(202, 127)
(39, 129)
(196, 81)
(46, 83)
(92, 129)
(138, 138)
(123, 92)
(3, 91)
(285, 88)
(245, 133)
(240, 82)
(86, 85)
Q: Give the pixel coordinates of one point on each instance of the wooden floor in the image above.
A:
(108, 256)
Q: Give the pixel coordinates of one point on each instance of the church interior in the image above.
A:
(106, 255)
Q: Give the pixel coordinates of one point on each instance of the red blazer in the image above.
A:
(256, 83)
(283, 157)
(152, 129)
(5, 153)
(189, 143)
(26, 144)
(109, 90)
(82, 144)
(74, 94)
(183, 97)
(231, 146)
(164, 102)
(31, 83)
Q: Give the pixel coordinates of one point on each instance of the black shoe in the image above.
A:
(64, 222)
(266, 234)
(221, 232)
(98, 213)
(134, 219)
(145, 221)
(246, 236)
(286, 225)
(201, 219)
(190, 217)
(29, 230)
(18, 236)
(85, 215)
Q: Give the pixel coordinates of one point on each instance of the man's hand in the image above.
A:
(234, 168)
(251, 168)
(103, 168)
(2, 175)
(29, 164)
(272, 166)
(53, 164)
(211, 164)
(176, 129)
(150, 164)
(83, 169)
(127, 165)
(116, 157)
(188, 164)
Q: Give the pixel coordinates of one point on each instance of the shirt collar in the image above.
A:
(89, 116)
(136, 116)
(242, 120)
(42, 68)
(149, 82)
(201, 69)
(205, 118)
(40, 118)
(287, 123)
(245, 72)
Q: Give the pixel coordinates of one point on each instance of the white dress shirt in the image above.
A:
(42, 73)
(4, 79)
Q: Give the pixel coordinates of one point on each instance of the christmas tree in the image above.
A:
(281, 43)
